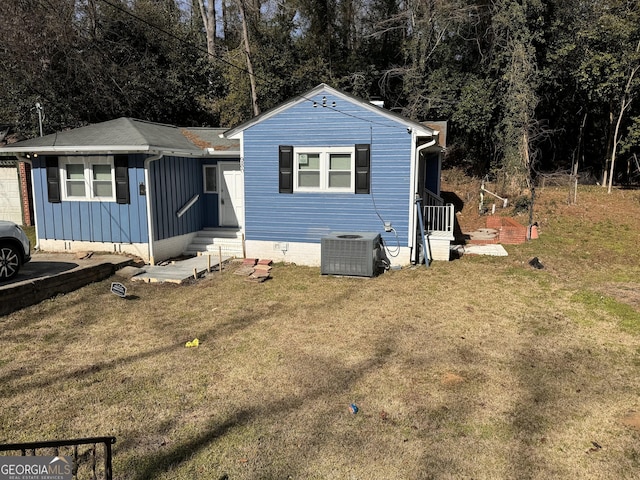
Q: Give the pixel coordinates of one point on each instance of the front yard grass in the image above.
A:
(478, 368)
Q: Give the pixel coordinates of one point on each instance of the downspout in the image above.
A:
(416, 169)
(147, 164)
(23, 158)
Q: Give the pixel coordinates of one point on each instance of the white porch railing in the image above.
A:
(439, 218)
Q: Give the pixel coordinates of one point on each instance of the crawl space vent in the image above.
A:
(351, 253)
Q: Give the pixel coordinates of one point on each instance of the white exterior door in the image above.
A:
(231, 194)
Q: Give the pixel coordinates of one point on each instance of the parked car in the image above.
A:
(15, 249)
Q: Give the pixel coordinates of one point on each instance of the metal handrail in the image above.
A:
(188, 205)
(430, 199)
(55, 444)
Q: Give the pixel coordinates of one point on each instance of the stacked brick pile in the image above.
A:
(255, 269)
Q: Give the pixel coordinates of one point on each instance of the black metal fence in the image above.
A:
(88, 462)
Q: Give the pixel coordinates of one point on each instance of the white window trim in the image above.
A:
(204, 178)
(87, 162)
(324, 168)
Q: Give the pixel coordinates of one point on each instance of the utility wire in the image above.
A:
(177, 37)
(231, 64)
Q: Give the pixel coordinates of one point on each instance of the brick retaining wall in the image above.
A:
(510, 231)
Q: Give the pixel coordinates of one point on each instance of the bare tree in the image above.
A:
(627, 97)
(247, 51)
(208, 12)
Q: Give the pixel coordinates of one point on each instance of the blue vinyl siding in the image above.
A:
(92, 221)
(306, 217)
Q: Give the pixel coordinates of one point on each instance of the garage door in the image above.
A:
(10, 195)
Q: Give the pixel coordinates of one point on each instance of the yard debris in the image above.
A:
(596, 447)
(193, 343)
(244, 270)
(264, 268)
(535, 263)
(259, 276)
(255, 270)
(84, 255)
(353, 408)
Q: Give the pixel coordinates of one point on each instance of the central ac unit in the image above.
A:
(351, 253)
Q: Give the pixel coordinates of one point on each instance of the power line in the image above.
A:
(178, 38)
(230, 64)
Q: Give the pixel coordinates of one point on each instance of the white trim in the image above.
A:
(415, 158)
(148, 190)
(413, 189)
(108, 149)
(416, 128)
(87, 162)
(240, 216)
(324, 171)
(241, 160)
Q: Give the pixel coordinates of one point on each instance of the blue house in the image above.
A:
(128, 186)
(327, 162)
(273, 187)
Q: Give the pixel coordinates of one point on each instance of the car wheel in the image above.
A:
(9, 262)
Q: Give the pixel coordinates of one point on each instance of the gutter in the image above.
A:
(147, 163)
(104, 149)
(414, 182)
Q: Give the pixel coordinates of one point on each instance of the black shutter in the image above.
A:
(285, 175)
(53, 179)
(363, 168)
(121, 166)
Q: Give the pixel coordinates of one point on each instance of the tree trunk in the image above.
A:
(208, 13)
(627, 98)
(247, 50)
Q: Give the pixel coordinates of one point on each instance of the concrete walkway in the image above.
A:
(180, 270)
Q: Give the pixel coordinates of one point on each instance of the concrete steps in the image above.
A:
(211, 240)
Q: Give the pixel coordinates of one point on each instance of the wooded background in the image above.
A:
(526, 85)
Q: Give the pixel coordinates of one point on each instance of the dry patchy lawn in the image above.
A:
(478, 368)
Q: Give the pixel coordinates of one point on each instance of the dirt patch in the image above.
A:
(623, 292)
(632, 419)
(451, 379)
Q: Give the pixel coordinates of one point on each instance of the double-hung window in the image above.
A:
(88, 178)
(329, 169)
